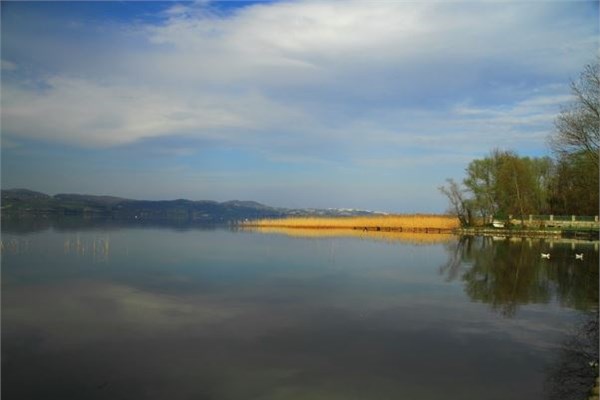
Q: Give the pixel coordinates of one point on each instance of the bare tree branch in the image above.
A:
(578, 125)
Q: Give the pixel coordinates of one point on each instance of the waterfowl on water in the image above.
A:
(545, 255)
(579, 256)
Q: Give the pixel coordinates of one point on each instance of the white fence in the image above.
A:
(558, 221)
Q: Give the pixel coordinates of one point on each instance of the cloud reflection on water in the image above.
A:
(216, 314)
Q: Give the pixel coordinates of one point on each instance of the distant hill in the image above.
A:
(107, 200)
(24, 202)
(23, 194)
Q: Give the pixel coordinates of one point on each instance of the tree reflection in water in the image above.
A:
(572, 377)
(507, 273)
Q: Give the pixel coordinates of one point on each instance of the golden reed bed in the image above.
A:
(415, 228)
(414, 222)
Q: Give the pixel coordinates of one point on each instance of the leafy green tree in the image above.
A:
(515, 185)
(574, 186)
(501, 184)
(543, 170)
(481, 182)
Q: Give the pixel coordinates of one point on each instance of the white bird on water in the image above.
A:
(579, 256)
(545, 255)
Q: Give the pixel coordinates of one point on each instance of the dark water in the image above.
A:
(156, 313)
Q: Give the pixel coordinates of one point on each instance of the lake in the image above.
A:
(159, 312)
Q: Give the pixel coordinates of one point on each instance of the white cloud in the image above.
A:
(90, 114)
(282, 74)
(327, 43)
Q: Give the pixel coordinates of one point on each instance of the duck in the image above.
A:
(579, 256)
(545, 255)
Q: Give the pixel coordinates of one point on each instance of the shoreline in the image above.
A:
(398, 229)
(485, 231)
(470, 231)
(586, 234)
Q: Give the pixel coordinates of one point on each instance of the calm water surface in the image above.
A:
(158, 313)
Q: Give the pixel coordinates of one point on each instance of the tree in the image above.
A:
(543, 170)
(577, 144)
(501, 184)
(481, 181)
(504, 183)
(460, 206)
(578, 125)
(574, 186)
(515, 185)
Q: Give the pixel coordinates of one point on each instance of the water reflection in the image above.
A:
(573, 375)
(507, 273)
(98, 248)
(14, 246)
(235, 315)
(28, 225)
(388, 236)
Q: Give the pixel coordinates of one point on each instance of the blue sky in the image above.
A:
(296, 103)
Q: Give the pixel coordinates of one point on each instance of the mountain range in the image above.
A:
(24, 202)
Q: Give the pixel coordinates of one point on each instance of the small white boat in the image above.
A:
(579, 256)
(497, 224)
(545, 255)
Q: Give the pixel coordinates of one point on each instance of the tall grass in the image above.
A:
(406, 222)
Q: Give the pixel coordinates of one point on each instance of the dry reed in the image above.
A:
(413, 222)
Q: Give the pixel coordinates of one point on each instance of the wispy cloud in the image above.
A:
(270, 66)
(89, 113)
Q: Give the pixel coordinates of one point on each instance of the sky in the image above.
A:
(350, 104)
